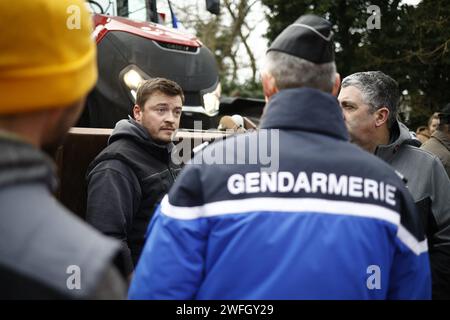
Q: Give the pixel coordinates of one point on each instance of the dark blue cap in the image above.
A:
(309, 38)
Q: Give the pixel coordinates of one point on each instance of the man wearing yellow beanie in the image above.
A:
(47, 67)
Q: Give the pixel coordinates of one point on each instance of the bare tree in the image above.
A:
(224, 35)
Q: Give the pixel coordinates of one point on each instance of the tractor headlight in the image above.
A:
(132, 77)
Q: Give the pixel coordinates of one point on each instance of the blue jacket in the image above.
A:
(297, 212)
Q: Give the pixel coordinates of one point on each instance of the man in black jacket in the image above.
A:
(128, 179)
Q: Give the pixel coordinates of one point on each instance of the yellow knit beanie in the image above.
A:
(47, 54)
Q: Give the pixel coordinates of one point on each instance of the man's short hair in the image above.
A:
(292, 72)
(151, 86)
(378, 90)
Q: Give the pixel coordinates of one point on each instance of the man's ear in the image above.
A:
(337, 85)
(381, 116)
(137, 113)
(269, 85)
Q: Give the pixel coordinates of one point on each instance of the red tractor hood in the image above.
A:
(103, 24)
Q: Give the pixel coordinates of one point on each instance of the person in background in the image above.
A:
(433, 123)
(439, 143)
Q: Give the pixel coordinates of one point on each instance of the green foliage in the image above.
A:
(411, 46)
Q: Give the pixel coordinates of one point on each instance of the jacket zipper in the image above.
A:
(171, 174)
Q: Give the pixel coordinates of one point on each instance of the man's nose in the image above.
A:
(170, 117)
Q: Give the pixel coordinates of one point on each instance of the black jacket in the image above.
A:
(126, 182)
(43, 246)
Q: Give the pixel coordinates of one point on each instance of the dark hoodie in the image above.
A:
(126, 182)
(40, 239)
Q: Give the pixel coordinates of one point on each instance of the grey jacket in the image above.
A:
(430, 187)
(439, 145)
(46, 252)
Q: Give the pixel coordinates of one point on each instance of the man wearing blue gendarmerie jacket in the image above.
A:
(293, 211)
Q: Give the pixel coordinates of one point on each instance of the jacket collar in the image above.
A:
(442, 138)
(20, 162)
(305, 109)
(399, 135)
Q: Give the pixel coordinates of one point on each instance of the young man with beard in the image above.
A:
(128, 179)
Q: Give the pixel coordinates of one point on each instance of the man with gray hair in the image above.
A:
(328, 221)
(369, 102)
